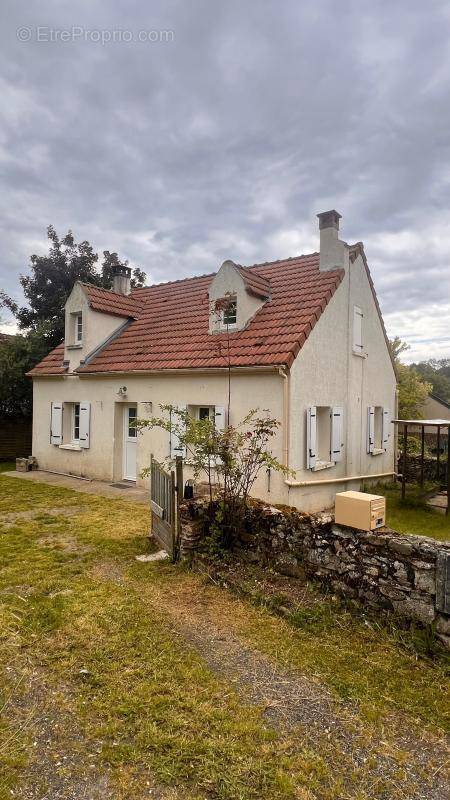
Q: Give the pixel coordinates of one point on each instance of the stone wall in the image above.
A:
(405, 574)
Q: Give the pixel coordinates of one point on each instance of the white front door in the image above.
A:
(129, 443)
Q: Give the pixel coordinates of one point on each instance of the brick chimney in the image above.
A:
(121, 279)
(333, 251)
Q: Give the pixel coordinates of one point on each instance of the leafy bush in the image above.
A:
(230, 459)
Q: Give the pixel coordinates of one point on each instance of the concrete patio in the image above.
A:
(123, 491)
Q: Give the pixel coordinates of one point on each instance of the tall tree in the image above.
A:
(52, 278)
(412, 390)
(18, 354)
(46, 289)
(436, 372)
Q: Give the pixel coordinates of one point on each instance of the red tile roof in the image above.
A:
(254, 283)
(171, 329)
(109, 302)
(51, 364)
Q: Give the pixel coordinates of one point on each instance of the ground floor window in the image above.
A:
(324, 436)
(70, 424)
(378, 429)
(205, 412)
(75, 423)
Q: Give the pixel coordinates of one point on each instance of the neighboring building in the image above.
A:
(434, 407)
(306, 342)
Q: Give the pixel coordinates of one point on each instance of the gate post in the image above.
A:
(179, 497)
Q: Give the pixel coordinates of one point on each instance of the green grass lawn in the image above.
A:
(7, 466)
(413, 515)
(101, 635)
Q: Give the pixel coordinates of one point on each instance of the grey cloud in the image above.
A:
(231, 137)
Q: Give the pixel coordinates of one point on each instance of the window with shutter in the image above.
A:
(337, 443)
(358, 330)
(311, 437)
(324, 436)
(84, 424)
(386, 428)
(220, 418)
(176, 448)
(56, 422)
(377, 429)
(370, 429)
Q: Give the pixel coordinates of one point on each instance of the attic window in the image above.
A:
(77, 328)
(230, 312)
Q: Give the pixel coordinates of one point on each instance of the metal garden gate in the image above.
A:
(165, 494)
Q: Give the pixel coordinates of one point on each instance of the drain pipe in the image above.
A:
(330, 481)
(286, 414)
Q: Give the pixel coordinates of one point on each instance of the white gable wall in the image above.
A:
(228, 281)
(327, 373)
(97, 327)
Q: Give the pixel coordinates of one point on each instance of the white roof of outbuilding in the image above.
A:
(435, 422)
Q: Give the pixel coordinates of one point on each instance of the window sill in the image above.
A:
(78, 346)
(71, 446)
(377, 451)
(360, 355)
(323, 465)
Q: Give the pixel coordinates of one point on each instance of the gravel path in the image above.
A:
(293, 702)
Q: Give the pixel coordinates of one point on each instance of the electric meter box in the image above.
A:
(360, 510)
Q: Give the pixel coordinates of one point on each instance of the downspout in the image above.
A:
(286, 414)
(396, 430)
(345, 479)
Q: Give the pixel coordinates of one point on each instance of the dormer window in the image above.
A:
(78, 338)
(229, 316)
(235, 295)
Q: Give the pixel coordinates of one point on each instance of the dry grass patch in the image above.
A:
(105, 637)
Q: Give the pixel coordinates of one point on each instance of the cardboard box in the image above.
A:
(360, 510)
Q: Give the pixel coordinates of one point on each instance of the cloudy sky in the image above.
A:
(184, 132)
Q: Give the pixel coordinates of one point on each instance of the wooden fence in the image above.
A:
(15, 439)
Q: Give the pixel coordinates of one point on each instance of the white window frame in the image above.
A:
(230, 325)
(211, 410)
(376, 448)
(336, 435)
(73, 412)
(216, 413)
(78, 328)
(73, 438)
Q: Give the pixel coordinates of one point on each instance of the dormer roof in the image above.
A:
(255, 284)
(108, 302)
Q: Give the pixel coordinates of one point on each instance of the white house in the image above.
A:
(306, 342)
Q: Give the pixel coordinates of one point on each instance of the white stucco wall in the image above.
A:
(103, 460)
(327, 373)
(96, 327)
